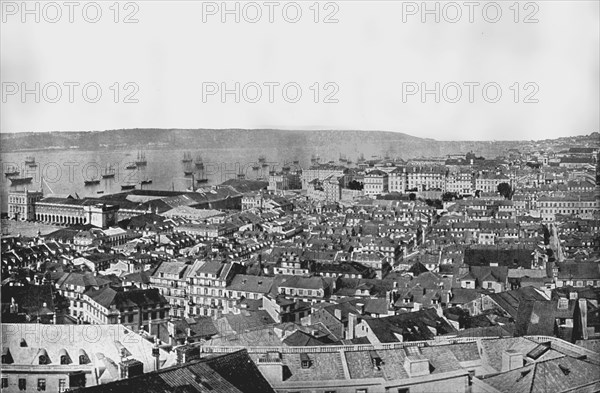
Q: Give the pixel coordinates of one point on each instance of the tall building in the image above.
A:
(21, 204)
(321, 172)
(376, 182)
(282, 181)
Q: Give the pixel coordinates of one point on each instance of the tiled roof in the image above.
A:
(556, 375)
(492, 350)
(170, 268)
(233, 372)
(248, 283)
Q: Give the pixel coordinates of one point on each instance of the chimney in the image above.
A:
(352, 322)
(338, 314)
(130, 368)
(583, 316)
(416, 366)
(361, 308)
(511, 360)
(187, 353)
(156, 355)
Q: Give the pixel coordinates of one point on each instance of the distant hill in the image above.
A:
(372, 142)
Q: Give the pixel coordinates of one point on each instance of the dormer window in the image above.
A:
(305, 360)
(43, 359)
(563, 303)
(375, 360)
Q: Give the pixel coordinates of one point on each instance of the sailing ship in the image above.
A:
(109, 173)
(131, 166)
(15, 181)
(127, 187)
(91, 182)
(187, 157)
(141, 159)
(100, 192)
(201, 176)
(199, 162)
(146, 181)
(263, 161)
(255, 167)
(30, 161)
(11, 172)
(296, 162)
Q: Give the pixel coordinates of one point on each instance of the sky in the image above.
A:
(445, 70)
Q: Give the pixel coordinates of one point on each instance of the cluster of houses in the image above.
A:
(329, 286)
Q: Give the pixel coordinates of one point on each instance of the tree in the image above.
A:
(505, 190)
(449, 196)
(355, 185)
(412, 196)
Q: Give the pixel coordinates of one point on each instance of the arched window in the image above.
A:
(64, 359)
(43, 359)
(82, 359)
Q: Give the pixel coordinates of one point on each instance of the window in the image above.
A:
(41, 384)
(22, 384)
(43, 359)
(403, 390)
(62, 385)
(4, 382)
(64, 359)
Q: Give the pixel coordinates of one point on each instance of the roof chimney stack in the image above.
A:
(511, 360)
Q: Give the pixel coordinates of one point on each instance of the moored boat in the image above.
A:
(141, 159)
(15, 181)
(199, 162)
(109, 173)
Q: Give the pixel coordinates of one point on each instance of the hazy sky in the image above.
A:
(366, 71)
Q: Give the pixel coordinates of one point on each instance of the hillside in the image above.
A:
(371, 142)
